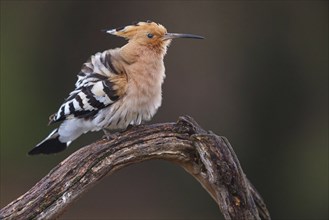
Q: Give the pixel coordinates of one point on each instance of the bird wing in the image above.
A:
(95, 89)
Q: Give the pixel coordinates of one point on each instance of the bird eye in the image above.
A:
(150, 35)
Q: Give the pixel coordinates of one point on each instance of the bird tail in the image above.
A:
(50, 145)
(60, 138)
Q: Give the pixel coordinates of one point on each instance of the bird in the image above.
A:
(115, 88)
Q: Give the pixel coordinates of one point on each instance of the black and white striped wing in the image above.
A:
(94, 91)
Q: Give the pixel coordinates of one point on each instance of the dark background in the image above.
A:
(260, 78)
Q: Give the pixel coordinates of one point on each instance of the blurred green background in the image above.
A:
(260, 78)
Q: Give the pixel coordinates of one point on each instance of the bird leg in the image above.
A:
(109, 134)
(113, 134)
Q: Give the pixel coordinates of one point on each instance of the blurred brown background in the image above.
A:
(260, 78)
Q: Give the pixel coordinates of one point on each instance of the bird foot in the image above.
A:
(110, 135)
(113, 134)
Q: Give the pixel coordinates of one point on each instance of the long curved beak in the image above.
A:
(176, 35)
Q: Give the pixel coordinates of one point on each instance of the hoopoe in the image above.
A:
(115, 88)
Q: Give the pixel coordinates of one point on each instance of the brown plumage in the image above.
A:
(115, 88)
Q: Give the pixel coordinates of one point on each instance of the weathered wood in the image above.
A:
(206, 156)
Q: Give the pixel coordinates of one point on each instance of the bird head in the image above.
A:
(149, 34)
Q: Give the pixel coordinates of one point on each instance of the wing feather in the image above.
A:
(94, 89)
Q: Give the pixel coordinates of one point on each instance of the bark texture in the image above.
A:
(207, 157)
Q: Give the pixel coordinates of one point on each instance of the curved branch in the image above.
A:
(206, 156)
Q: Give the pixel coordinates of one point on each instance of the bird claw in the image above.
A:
(110, 136)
